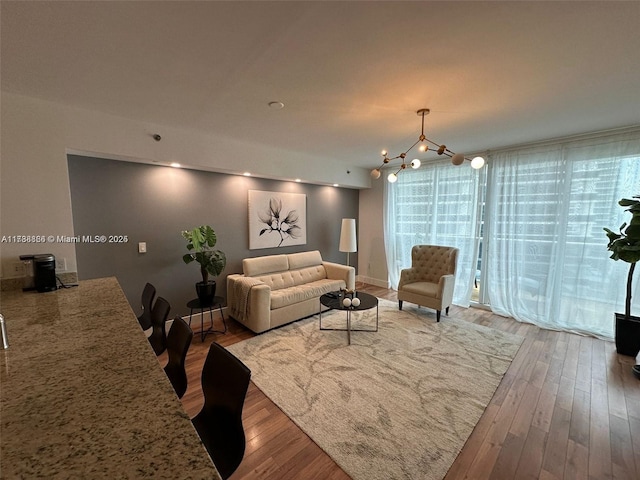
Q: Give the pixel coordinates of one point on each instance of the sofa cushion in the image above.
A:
(422, 288)
(280, 280)
(304, 259)
(253, 267)
(299, 293)
(308, 275)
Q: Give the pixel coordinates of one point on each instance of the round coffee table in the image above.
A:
(333, 300)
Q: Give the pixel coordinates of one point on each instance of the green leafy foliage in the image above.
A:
(625, 245)
(200, 243)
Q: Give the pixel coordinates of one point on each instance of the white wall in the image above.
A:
(372, 266)
(34, 184)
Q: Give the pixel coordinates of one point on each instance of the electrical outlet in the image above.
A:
(18, 269)
(61, 264)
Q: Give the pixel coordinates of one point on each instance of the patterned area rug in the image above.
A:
(395, 404)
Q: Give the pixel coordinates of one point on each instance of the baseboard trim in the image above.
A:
(195, 318)
(376, 282)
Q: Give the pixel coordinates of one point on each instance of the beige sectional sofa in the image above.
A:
(278, 289)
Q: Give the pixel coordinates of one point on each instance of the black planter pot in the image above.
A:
(627, 335)
(206, 292)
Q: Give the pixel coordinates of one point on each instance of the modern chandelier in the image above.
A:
(456, 158)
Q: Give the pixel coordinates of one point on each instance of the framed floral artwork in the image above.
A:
(277, 219)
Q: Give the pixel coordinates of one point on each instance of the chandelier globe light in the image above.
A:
(477, 162)
(424, 145)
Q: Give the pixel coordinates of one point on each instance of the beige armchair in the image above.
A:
(430, 280)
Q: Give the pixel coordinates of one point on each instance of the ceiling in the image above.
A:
(351, 74)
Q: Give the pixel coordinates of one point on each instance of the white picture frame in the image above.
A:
(277, 219)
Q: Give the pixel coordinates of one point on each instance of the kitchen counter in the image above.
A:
(83, 395)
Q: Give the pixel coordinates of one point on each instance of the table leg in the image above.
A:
(211, 308)
(222, 316)
(211, 325)
(202, 334)
(377, 317)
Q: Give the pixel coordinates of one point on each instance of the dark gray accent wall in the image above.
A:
(153, 204)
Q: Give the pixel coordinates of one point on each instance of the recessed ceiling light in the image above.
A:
(175, 165)
(246, 174)
(336, 185)
(298, 180)
(276, 105)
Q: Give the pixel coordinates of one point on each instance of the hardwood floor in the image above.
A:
(567, 408)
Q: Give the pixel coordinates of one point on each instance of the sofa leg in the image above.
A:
(437, 315)
(399, 304)
(447, 310)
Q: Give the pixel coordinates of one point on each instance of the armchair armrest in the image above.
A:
(445, 288)
(336, 271)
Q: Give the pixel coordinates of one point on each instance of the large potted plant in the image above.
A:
(625, 246)
(200, 243)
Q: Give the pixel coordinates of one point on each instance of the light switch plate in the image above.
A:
(142, 247)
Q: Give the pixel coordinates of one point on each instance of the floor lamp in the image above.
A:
(348, 236)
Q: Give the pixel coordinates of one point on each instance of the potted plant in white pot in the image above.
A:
(625, 246)
(200, 243)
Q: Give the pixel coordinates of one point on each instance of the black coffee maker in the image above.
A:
(40, 272)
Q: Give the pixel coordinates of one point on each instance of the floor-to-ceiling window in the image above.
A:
(435, 205)
(529, 227)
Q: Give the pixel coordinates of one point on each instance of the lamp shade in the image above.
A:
(348, 235)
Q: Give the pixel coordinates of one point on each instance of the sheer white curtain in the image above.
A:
(435, 205)
(546, 255)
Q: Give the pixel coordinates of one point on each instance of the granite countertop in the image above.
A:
(82, 394)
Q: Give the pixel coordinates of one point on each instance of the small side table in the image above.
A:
(196, 304)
